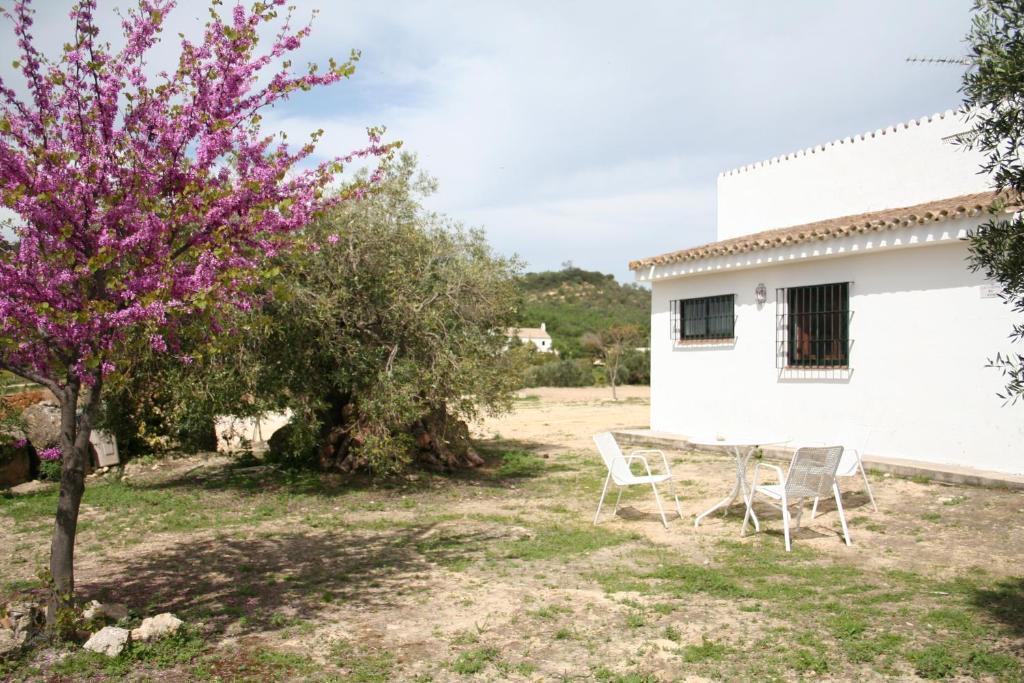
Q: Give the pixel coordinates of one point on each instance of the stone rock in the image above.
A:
(10, 642)
(15, 464)
(160, 626)
(42, 424)
(34, 486)
(110, 610)
(23, 619)
(279, 441)
(109, 640)
(18, 459)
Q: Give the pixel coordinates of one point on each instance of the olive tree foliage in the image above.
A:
(381, 337)
(993, 88)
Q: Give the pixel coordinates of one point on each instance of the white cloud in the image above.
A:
(593, 131)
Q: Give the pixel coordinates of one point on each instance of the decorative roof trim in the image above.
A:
(817, 149)
(963, 206)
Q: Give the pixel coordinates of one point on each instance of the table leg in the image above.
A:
(739, 488)
(748, 493)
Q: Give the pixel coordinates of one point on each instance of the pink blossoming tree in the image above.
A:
(144, 202)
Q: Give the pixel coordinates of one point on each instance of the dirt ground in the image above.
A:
(973, 523)
(499, 574)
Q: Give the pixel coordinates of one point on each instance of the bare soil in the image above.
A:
(499, 574)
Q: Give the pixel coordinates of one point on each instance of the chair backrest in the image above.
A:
(612, 456)
(854, 443)
(813, 471)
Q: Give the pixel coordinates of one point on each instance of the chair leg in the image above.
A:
(617, 499)
(842, 514)
(657, 499)
(867, 484)
(785, 523)
(603, 492)
(672, 490)
(749, 500)
(799, 512)
(814, 508)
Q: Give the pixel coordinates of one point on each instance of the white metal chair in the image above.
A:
(851, 465)
(812, 474)
(620, 473)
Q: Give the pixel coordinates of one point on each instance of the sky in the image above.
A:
(593, 132)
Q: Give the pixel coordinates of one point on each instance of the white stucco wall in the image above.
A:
(899, 166)
(922, 331)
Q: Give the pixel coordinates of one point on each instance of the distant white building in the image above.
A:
(837, 299)
(538, 336)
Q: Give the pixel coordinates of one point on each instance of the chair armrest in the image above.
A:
(757, 472)
(664, 460)
(633, 456)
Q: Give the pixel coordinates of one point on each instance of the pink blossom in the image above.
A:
(49, 454)
(20, 443)
(333, 239)
(159, 211)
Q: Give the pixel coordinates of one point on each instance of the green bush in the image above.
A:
(636, 368)
(49, 470)
(561, 373)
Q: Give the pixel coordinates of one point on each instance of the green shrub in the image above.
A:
(561, 373)
(49, 470)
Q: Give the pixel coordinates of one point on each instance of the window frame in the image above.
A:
(678, 321)
(813, 326)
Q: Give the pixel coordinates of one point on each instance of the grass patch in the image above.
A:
(555, 542)
(707, 650)
(604, 675)
(519, 464)
(549, 611)
(182, 647)
(362, 665)
(475, 661)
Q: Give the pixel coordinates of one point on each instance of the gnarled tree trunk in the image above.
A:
(440, 441)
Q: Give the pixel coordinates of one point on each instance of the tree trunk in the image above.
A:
(440, 441)
(613, 374)
(443, 442)
(74, 435)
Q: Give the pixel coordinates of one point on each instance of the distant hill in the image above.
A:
(573, 301)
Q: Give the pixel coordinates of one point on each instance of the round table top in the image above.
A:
(747, 440)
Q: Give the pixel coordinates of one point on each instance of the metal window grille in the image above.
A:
(703, 319)
(812, 326)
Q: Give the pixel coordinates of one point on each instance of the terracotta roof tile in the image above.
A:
(527, 333)
(833, 228)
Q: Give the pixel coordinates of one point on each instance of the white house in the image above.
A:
(838, 299)
(538, 336)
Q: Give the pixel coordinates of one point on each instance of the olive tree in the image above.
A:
(993, 88)
(383, 337)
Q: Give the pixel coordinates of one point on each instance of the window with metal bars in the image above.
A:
(703, 319)
(813, 326)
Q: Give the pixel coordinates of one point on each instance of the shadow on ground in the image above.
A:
(1004, 602)
(279, 579)
(249, 475)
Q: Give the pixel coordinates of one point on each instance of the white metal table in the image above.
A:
(741, 449)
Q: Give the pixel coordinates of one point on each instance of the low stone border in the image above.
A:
(946, 474)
